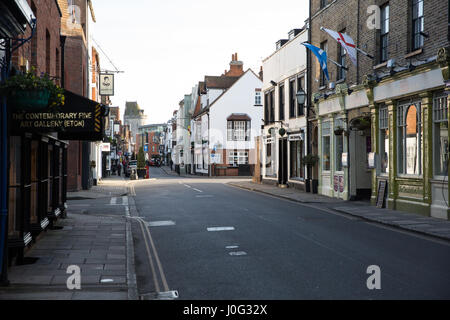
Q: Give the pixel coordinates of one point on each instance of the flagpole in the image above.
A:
(339, 65)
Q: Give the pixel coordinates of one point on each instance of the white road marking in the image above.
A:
(238, 253)
(187, 186)
(197, 190)
(127, 211)
(204, 196)
(113, 201)
(125, 200)
(160, 223)
(106, 280)
(232, 247)
(220, 229)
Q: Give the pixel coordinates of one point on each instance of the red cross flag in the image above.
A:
(346, 42)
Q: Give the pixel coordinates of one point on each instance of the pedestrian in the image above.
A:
(171, 165)
(119, 168)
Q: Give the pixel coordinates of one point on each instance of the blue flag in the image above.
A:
(321, 56)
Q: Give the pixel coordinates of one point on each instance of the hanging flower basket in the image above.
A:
(29, 92)
(338, 131)
(29, 100)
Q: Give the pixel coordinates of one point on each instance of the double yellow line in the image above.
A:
(152, 254)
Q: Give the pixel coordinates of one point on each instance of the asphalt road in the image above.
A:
(275, 249)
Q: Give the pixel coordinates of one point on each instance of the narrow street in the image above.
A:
(263, 247)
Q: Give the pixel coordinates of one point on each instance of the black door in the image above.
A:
(283, 160)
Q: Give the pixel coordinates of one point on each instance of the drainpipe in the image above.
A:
(4, 172)
(63, 72)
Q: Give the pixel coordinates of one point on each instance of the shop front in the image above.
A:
(37, 184)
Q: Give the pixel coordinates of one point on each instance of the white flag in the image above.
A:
(346, 42)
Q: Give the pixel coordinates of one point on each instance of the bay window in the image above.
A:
(238, 130)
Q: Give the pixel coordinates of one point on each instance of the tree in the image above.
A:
(141, 159)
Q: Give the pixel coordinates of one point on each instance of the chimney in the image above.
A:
(261, 73)
(236, 67)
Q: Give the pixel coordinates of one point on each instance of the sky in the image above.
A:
(166, 47)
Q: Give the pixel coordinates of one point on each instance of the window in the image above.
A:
(384, 139)
(440, 135)
(323, 3)
(339, 145)
(270, 160)
(296, 153)
(266, 109)
(341, 60)
(236, 158)
(257, 98)
(417, 24)
(384, 33)
(301, 85)
(281, 103)
(238, 131)
(323, 79)
(326, 136)
(409, 139)
(272, 106)
(292, 98)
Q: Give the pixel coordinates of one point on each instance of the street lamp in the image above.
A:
(301, 96)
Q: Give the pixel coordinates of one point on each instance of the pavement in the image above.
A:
(394, 218)
(94, 237)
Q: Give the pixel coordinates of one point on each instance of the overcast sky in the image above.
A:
(166, 47)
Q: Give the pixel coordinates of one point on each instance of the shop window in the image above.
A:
(339, 145)
(326, 138)
(270, 159)
(384, 139)
(409, 139)
(440, 135)
(15, 198)
(296, 153)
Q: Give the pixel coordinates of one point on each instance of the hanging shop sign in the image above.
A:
(79, 119)
(296, 137)
(106, 147)
(106, 84)
(269, 140)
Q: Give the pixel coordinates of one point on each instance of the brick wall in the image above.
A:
(343, 14)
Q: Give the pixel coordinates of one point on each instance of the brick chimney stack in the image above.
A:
(236, 67)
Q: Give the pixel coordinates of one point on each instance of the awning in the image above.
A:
(79, 119)
(239, 117)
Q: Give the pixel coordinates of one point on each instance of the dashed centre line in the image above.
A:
(214, 229)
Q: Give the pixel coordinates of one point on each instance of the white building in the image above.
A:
(226, 122)
(285, 123)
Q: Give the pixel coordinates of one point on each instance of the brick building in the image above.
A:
(74, 32)
(391, 108)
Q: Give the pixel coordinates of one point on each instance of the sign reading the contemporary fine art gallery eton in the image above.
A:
(78, 119)
(106, 84)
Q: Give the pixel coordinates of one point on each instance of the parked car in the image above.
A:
(131, 165)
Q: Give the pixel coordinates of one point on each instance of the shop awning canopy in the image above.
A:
(79, 119)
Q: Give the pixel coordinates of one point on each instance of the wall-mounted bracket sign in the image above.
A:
(106, 84)
(79, 119)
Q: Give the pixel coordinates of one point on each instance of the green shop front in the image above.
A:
(410, 138)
